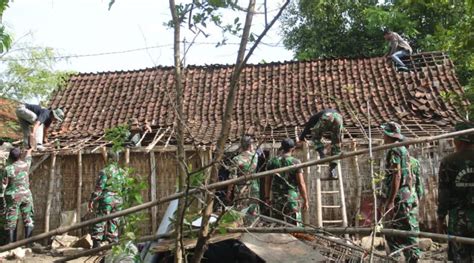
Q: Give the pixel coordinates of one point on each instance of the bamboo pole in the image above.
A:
(79, 189)
(222, 184)
(153, 209)
(358, 200)
(352, 230)
(49, 198)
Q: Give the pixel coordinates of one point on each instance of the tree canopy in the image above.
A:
(340, 28)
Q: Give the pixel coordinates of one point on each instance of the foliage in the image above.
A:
(5, 38)
(131, 195)
(118, 136)
(339, 28)
(130, 190)
(29, 73)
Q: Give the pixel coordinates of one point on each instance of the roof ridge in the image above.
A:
(249, 65)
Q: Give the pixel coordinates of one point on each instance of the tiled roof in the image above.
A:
(9, 126)
(273, 100)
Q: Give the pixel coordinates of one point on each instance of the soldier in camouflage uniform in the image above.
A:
(326, 121)
(245, 194)
(288, 188)
(105, 200)
(4, 152)
(416, 172)
(456, 195)
(18, 198)
(399, 195)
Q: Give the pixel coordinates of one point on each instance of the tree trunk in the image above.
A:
(204, 234)
(180, 154)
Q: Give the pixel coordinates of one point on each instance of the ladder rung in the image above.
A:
(331, 206)
(332, 221)
(329, 192)
(323, 165)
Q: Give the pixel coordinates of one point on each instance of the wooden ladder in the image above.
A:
(338, 189)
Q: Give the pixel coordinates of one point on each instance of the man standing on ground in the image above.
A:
(41, 119)
(325, 121)
(246, 194)
(400, 201)
(399, 48)
(456, 195)
(287, 188)
(18, 196)
(107, 199)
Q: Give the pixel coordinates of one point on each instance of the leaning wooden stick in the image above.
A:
(219, 185)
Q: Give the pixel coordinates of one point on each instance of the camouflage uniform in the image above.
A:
(416, 172)
(18, 196)
(329, 122)
(242, 164)
(107, 199)
(285, 194)
(456, 199)
(3, 233)
(405, 212)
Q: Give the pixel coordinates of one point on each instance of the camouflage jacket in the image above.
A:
(456, 183)
(111, 181)
(416, 172)
(285, 181)
(16, 178)
(399, 156)
(244, 163)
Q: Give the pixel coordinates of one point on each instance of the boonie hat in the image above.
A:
(393, 129)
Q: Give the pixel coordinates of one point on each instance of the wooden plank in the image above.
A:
(154, 209)
(39, 162)
(79, 189)
(49, 198)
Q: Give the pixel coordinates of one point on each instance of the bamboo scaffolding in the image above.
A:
(218, 185)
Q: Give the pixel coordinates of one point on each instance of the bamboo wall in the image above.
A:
(66, 183)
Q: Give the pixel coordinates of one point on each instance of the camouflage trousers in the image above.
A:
(287, 207)
(336, 136)
(404, 217)
(107, 230)
(461, 223)
(16, 204)
(246, 200)
(3, 233)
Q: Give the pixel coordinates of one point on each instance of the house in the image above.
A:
(273, 102)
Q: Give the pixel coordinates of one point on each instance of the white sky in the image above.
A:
(81, 27)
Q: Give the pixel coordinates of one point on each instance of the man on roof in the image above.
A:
(399, 198)
(41, 119)
(456, 195)
(326, 121)
(399, 48)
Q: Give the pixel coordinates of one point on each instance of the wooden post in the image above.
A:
(358, 181)
(50, 193)
(153, 210)
(79, 189)
(127, 157)
(319, 203)
(306, 214)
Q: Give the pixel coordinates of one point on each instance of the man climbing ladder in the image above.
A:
(326, 121)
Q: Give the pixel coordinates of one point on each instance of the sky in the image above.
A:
(87, 28)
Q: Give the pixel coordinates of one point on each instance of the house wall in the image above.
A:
(66, 182)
